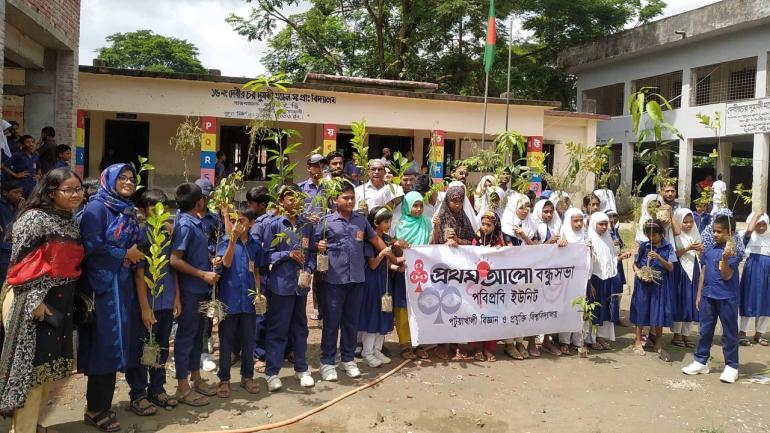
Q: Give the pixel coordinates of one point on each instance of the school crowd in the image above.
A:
(76, 259)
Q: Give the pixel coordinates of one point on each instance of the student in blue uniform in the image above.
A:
(63, 156)
(26, 164)
(701, 216)
(157, 315)
(258, 200)
(110, 232)
(603, 283)
(718, 298)
(238, 252)
(686, 275)
(755, 289)
(10, 201)
(342, 235)
(651, 303)
(287, 240)
(617, 241)
(190, 259)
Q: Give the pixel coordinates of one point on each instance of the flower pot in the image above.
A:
(150, 355)
(304, 279)
(260, 304)
(322, 263)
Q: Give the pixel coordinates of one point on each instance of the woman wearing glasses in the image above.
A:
(110, 232)
(37, 308)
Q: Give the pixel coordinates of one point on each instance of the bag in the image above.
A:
(83, 313)
(386, 302)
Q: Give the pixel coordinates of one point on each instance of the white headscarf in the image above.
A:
(511, 219)
(640, 236)
(467, 207)
(685, 239)
(484, 204)
(606, 199)
(605, 263)
(758, 243)
(567, 233)
(3, 139)
(482, 191)
(537, 216)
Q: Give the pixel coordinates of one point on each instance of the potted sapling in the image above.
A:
(159, 240)
(331, 188)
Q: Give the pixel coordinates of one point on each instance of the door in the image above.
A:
(124, 141)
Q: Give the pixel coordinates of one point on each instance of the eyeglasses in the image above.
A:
(126, 179)
(72, 192)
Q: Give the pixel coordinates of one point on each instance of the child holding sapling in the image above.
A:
(755, 290)
(686, 273)
(572, 232)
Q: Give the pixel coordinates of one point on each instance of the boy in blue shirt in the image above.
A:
(10, 201)
(342, 236)
(26, 164)
(239, 254)
(258, 200)
(287, 241)
(190, 259)
(63, 156)
(157, 316)
(718, 298)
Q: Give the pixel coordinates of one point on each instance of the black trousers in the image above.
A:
(99, 391)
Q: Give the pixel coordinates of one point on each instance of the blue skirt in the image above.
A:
(755, 288)
(651, 303)
(604, 291)
(685, 293)
(398, 288)
(373, 319)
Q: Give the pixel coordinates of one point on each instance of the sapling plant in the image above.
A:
(586, 308)
(360, 157)
(144, 167)
(186, 141)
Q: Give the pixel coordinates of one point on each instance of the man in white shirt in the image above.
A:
(719, 191)
(376, 191)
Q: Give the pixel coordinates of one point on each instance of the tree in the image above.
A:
(147, 51)
(441, 41)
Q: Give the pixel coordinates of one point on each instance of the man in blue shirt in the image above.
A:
(220, 170)
(312, 187)
(342, 235)
(26, 164)
(190, 258)
(239, 253)
(718, 298)
(287, 240)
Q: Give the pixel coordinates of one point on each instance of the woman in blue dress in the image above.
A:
(110, 232)
(755, 290)
(686, 275)
(651, 301)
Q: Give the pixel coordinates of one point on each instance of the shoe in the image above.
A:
(359, 349)
(274, 383)
(372, 361)
(328, 373)
(382, 357)
(351, 369)
(696, 368)
(305, 379)
(729, 375)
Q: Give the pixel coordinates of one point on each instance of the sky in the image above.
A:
(202, 22)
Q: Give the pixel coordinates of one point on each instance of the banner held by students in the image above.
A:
(465, 294)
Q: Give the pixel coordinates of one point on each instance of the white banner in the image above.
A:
(467, 294)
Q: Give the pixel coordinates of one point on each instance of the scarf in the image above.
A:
(758, 243)
(685, 239)
(493, 239)
(414, 230)
(511, 218)
(606, 199)
(542, 226)
(646, 216)
(461, 222)
(708, 234)
(46, 253)
(485, 205)
(567, 233)
(482, 192)
(123, 229)
(605, 264)
(3, 139)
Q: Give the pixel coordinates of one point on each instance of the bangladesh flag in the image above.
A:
(489, 50)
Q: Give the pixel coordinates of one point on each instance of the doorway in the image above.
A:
(125, 141)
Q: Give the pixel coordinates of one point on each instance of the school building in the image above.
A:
(125, 113)
(712, 60)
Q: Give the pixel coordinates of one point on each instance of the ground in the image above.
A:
(608, 392)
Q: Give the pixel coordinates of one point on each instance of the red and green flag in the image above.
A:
(489, 49)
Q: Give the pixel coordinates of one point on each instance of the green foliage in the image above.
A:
(159, 239)
(441, 41)
(397, 167)
(187, 140)
(223, 195)
(144, 167)
(144, 50)
(743, 194)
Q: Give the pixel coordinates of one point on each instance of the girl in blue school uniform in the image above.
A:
(755, 290)
(651, 303)
(548, 225)
(374, 323)
(686, 275)
(603, 283)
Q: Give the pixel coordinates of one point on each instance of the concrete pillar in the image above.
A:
(65, 116)
(761, 163)
(627, 168)
(761, 83)
(724, 160)
(40, 108)
(685, 170)
(626, 94)
(686, 86)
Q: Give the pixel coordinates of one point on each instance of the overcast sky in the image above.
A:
(202, 22)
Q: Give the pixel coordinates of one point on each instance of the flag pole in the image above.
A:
(484, 127)
(508, 88)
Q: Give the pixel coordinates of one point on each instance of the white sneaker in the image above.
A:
(372, 361)
(328, 373)
(351, 369)
(381, 356)
(305, 379)
(274, 383)
(729, 375)
(696, 368)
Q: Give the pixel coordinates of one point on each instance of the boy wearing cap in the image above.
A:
(312, 186)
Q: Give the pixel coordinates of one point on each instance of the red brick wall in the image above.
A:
(63, 15)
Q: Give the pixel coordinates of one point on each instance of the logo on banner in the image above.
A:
(418, 276)
(440, 299)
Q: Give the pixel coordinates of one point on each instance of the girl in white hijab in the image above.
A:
(572, 232)
(646, 216)
(482, 191)
(491, 201)
(687, 243)
(547, 220)
(754, 300)
(517, 222)
(606, 199)
(603, 284)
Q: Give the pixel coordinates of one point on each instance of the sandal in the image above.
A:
(744, 341)
(250, 385)
(223, 390)
(550, 348)
(679, 343)
(511, 351)
(421, 353)
(762, 341)
(490, 356)
(479, 356)
(143, 407)
(605, 345)
(441, 353)
(163, 400)
(523, 350)
(639, 350)
(689, 344)
(664, 356)
(564, 349)
(406, 353)
(104, 421)
(204, 388)
(597, 347)
(192, 398)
